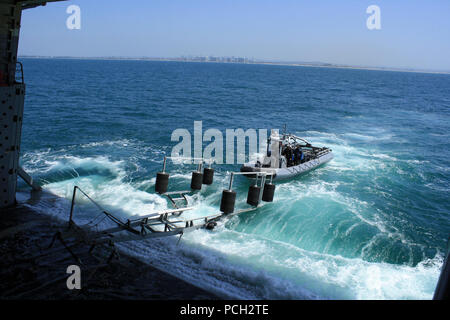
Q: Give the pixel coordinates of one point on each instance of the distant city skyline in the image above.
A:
(243, 60)
(414, 34)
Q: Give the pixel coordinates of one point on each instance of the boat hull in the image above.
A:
(290, 172)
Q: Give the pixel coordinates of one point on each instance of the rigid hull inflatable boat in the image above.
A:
(288, 156)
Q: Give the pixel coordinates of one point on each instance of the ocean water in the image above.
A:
(371, 224)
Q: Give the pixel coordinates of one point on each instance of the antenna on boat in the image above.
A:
(284, 130)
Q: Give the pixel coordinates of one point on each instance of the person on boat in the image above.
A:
(297, 156)
(287, 152)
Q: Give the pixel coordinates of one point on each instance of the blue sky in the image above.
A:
(414, 33)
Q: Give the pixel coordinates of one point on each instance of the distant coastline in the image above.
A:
(240, 60)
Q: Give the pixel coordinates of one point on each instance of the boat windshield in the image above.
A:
(294, 140)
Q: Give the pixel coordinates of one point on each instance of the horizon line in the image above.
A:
(191, 58)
